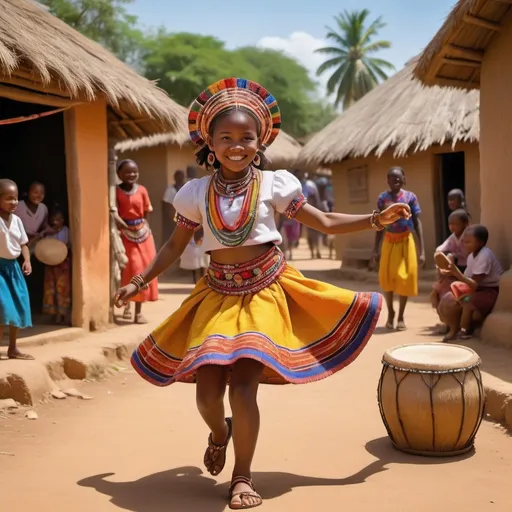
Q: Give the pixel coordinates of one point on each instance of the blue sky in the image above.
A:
(298, 31)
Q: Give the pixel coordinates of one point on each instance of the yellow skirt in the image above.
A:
(301, 330)
(398, 268)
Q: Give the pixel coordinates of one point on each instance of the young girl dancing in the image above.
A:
(252, 319)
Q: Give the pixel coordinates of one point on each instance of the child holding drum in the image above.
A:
(453, 248)
(57, 278)
(474, 292)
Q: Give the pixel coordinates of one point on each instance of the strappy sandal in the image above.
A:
(243, 495)
(214, 447)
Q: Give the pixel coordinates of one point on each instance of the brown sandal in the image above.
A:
(243, 494)
(214, 447)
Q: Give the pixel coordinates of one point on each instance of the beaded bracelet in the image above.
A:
(375, 222)
(139, 282)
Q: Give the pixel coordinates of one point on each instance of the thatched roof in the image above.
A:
(454, 56)
(281, 154)
(44, 60)
(400, 115)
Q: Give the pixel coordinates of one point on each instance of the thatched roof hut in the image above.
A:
(281, 154)
(454, 57)
(43, 60)
(402, 116)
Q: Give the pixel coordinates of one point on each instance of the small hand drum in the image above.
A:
(431, 398)
(51, 251)
(442, 261)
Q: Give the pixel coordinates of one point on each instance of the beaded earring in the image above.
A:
(256, 160)
(210, 159)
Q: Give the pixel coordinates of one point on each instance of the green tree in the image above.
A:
(185, 63)
(105, 21)
(356, 71)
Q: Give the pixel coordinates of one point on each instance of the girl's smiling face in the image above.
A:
(56, 221)
(235, 140)
(128, 173)
(454, 202)
(9, 198)
(36, 193)
(396, 180)
(471, 243)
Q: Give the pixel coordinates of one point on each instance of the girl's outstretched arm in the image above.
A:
(168, 254)
(341, 223)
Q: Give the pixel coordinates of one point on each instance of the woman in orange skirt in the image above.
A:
(133, 206)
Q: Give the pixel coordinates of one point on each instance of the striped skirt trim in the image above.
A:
(313, 362)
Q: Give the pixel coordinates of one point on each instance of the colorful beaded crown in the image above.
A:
(226, 93)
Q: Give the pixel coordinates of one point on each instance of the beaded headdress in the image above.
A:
(226, 93)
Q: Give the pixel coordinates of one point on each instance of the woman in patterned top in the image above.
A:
(398, 268)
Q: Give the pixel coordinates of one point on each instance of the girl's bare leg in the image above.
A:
(127, 314)
(13, 351)
(210, 391)
(243, 391)
(390, 324)
(139, 317)
(401, 312)
(450, 313)
(470, 318)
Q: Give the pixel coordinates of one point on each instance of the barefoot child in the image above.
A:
(14, 299)
(194, 258)
(398, 267)
(57, 278)
(475, 291)
(133, 206)
(253, 319)
(453, 247)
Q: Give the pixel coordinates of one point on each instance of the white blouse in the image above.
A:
(280, 191)
(32, 221)
(12, 237)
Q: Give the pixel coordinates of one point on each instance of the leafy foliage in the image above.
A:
(183, 64)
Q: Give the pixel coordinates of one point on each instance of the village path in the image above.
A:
(138, 448)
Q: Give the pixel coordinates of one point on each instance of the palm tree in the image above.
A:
(356, 71)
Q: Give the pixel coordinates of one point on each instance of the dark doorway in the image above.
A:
(34, 150)
(450, 174)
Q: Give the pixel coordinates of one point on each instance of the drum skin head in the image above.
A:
(51, 251)
(427, 357)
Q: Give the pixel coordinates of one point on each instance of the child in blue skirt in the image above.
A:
(14, 298)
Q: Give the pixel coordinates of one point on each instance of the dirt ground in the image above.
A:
(139, 448)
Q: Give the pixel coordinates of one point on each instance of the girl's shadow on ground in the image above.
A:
(187, 488)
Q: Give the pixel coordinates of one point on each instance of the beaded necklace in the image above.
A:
(237, 234)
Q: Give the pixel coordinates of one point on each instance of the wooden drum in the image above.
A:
(431, 398)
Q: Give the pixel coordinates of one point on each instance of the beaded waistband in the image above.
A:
(396, 237)
(244, 278)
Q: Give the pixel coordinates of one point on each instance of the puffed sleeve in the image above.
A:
(185, 203)
(287, 195)
(23, 237)
(147, 202)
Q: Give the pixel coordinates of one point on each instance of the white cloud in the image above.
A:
(301, 46)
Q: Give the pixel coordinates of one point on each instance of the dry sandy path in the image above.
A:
(322, 446)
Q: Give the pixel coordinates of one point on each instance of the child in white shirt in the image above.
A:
(14, 298)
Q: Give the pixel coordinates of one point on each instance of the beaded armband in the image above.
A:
(295, 206)
(139, 282)
(185, 223)
(375, 222)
